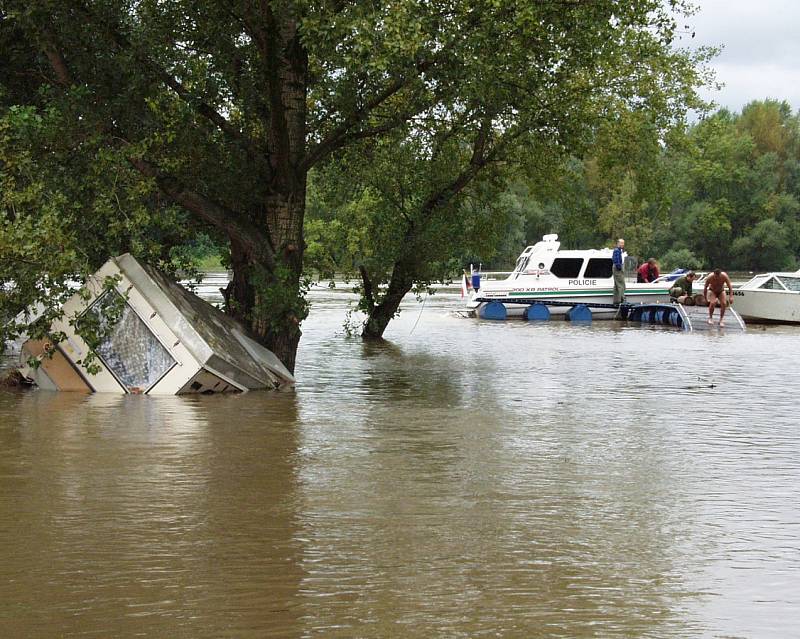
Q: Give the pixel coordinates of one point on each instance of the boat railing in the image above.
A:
(494, 275)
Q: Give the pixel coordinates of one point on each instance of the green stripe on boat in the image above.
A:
(601, 291)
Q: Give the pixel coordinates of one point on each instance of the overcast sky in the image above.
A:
(761, 55)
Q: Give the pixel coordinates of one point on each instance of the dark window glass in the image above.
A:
(598, 267)
(566, 266)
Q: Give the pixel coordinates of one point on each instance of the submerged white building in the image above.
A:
(166, 341)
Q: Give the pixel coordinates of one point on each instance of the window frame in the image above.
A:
(610, 269)
(581, 261)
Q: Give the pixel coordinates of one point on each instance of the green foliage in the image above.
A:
(280, 298)
(764, 248)
(527, 219)
(625, 215)
(59, 223)
(383, 218)
(679, 258)
(200, 253)
(139, 117)
(771, 127)
(723, 193)
(737, 207)
(529, 84)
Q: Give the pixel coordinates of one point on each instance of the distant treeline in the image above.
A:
(726, 193)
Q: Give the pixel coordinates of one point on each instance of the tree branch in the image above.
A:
(58, 64)
(274, 29)
(480, 158)
(202, 107)
(343, 133)
(225, 219)
(337, 137)
(208, 112)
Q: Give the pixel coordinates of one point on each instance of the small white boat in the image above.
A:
(562, 279)
(770, 297)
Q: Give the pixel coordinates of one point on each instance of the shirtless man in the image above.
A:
(714, 291)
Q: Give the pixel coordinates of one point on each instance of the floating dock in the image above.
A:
(687, 318)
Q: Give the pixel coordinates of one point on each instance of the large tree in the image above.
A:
(223, 108)
(549, 79)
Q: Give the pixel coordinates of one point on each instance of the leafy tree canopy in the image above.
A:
(152, 116)
(544, 80)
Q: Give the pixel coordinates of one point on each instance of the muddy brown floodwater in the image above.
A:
(463, 479)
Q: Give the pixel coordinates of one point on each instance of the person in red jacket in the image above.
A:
(648, 271)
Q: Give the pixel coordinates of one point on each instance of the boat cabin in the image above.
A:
(545, 258)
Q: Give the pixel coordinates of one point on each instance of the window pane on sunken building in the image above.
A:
(129, 348)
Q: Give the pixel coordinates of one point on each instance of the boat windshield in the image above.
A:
(791, 283)
(522, 262)
(772, 284)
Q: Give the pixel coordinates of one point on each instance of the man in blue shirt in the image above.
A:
(619, 276)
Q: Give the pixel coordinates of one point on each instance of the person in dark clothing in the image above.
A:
(683, 285)
(648, 272)
(618, 258)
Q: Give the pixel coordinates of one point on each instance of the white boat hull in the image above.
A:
(765, 305)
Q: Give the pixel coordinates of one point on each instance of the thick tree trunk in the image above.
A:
(266, 294)
(266, 288)
(271, 306)
(381, 314)
(284, 303)
(240, 294)
(266, 244)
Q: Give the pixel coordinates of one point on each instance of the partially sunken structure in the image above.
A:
(165, 341)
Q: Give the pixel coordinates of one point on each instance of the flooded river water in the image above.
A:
(463, 479)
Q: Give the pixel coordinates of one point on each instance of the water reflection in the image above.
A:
(146, 513)
(484, 522)
(463, 479)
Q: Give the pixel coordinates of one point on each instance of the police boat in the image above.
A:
(549, 281)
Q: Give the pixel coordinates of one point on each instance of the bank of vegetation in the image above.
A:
(726, 193)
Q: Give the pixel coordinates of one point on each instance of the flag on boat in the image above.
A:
(466, 281)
